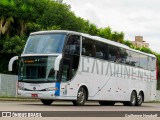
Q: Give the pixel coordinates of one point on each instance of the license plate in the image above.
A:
(34, 95)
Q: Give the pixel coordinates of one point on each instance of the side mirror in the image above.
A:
(10, 65)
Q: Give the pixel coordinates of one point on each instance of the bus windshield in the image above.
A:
(37, 69)
(45, 44)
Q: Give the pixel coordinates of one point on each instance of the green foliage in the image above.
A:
(53, 28)
(33, 27)
(92, 30)
(5, 57)
(146, 50)
(13, 45)
(128, 43)
(108, 34)
(118, 37)
(20, 17)
(105, 33)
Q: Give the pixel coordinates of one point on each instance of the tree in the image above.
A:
(92, 29)
(128, 43)
(7, 10)
(24, 14)
(105, 33)
(146, 50)
(117, 37)
(14, 45)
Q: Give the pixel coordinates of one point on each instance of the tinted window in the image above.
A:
(134, 59)
(112, 53)
(73, 45)
(128, 57)
(37, 69)
(151, 63)
(143, 61)
(88, 47)
(117, 54)
(123, 56)
(45, 44)
(101, 51)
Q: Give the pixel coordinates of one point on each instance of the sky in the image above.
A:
(132, 17)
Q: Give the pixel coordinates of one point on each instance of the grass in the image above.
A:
(155, 101)
(7, 98)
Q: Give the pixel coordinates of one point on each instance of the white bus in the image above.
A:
(67, 65)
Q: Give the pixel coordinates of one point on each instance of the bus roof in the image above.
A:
(93, 38)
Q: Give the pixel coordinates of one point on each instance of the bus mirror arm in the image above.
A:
(10, 66)
(57, 62)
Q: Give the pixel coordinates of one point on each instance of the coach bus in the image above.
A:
(68, 65)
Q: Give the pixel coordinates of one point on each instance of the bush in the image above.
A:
(13, 45)
(4, 61)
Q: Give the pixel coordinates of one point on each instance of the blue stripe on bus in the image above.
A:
(57, 85)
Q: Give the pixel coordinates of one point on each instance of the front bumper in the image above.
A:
(37, 94)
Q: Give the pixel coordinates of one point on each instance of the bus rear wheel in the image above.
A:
(46, 102)
(108, 103)
(133, 100)
(139, 99)
(81, 97)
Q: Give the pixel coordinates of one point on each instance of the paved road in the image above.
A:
(68, 106)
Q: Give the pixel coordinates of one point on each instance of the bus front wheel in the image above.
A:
(46, 102)
(81, 97)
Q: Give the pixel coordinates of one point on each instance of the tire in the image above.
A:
(81, 97)
(107, 103)
(46, 102)
(74, 102)
(139, 99)
(126, 103)
(133, 100)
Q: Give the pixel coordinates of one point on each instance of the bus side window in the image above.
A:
(151, 63)
(66, 69)
(88, 47)
(113, 53)
(124, 56)
(73, 45)
(65, 73)
(143, 61)
(101, 51)
(134, 59)
(128, 56)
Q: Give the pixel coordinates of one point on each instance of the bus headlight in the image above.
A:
(51, 89)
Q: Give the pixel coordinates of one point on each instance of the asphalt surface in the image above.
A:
(65, 110)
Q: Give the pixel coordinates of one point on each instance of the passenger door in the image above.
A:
(69, 63)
